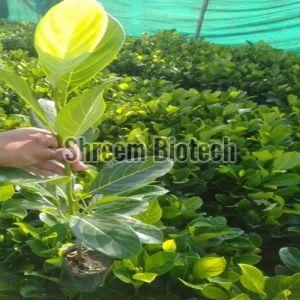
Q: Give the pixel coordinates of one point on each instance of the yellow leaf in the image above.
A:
(169, 245)
(209, 267)
(68, 34)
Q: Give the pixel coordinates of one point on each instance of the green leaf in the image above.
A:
(209, 267)
(12, 208)
(284, 180)
(248, 258)
(192, 203)
(145, 277)
(127, 207)
(103, 55)
(160, 262)
(6, 192)
(290, 256)
(37, 204)
(241, 297)
(148, 234)
(49, 110)
(129, 175)
(20, 177)
(146, 192)
(252, 279)
(107, 235)
(197, 287)
(16, 176)
(64, 41)
(170, 212)
(214, 293)
(20, 86)
(82, 112)
(153, 214)
(286, 161)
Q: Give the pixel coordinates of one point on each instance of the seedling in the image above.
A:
(75, 40)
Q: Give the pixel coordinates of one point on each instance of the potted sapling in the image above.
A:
(75, 40)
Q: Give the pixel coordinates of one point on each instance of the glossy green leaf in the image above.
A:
(146, 192)
(124, 207)
(214, 292)
(207, 267)
(20, 177)
(160, 262)
(290, 256)
(107, 235)
(20, 86)
(148, 234)
(129, 175)
(249, 258)
(64, 41)
(285, 180)
(252, 279)
(197, 287)
(38, 203)
(16, 176)
(81, 113)
(278, 286)
(12, 208)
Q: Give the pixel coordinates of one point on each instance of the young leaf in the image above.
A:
(153, 214)
(68, 34)
(6, 192)
(252, 279)
(128, 175)
(145, 277)
(209, 267)
(81, 112)
(105, 52)
(20, 86)
(107, 235)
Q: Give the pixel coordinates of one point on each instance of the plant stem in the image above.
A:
(69, 189)
(72, 204)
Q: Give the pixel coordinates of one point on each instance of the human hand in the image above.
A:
(36, 150)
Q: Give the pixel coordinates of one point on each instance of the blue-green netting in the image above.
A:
(227, 22)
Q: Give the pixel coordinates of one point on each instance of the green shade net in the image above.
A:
(233, 22)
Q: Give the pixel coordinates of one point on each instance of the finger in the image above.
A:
(76, 163)
(46, 139)
(43, 154)
(63, 154)
(39, 171)
(70, 155)
(33, 130)
(78, 166)
(52, 166)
